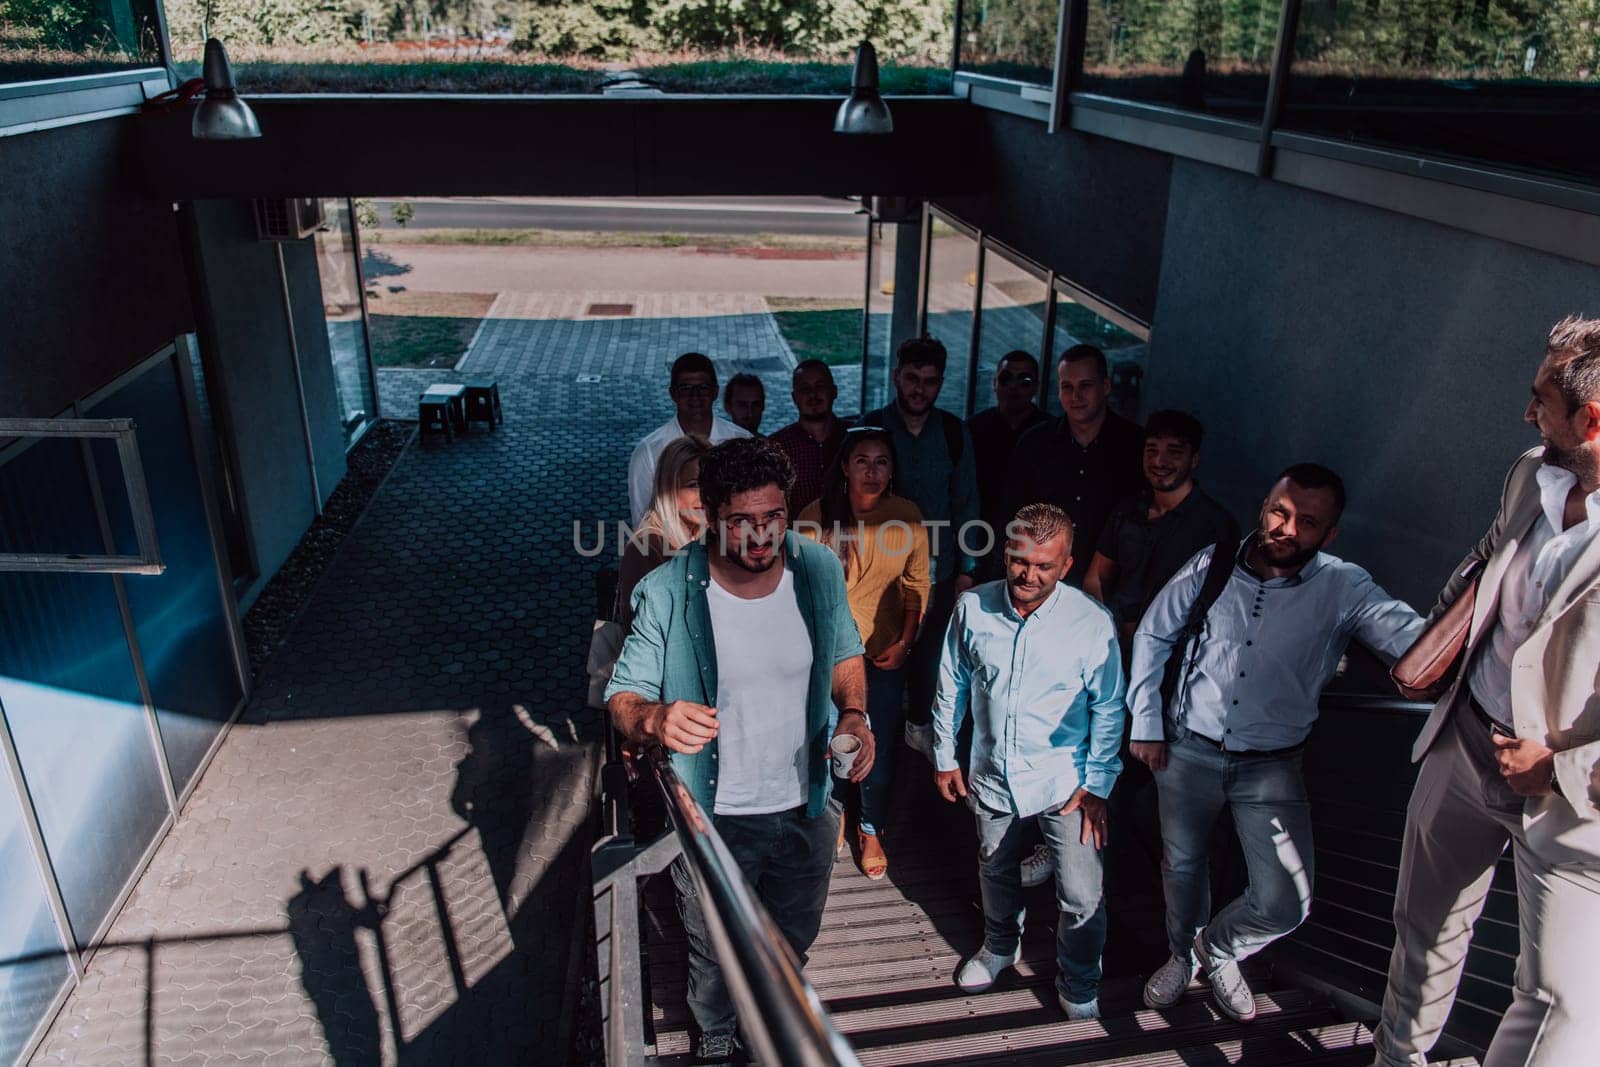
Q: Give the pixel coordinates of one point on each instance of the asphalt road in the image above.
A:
(806, 216)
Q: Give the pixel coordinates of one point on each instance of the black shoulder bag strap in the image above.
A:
(953, 440)
(1173, 675)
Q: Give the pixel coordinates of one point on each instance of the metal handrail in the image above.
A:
(779, 1012)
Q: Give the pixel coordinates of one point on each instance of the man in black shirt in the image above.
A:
(1154, 532)
(994, 435)
(1083, 461)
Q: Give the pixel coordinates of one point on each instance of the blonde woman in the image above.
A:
(880, 539)
(672, 520)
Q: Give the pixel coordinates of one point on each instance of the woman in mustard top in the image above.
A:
(880, 539)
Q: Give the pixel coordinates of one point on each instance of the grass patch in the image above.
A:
(423, 329)
(537, 238)
(829, 330)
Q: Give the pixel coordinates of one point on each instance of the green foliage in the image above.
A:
(262, 22)
(1427, 38)
(401, 212)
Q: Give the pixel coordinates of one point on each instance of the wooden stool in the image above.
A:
(433, 416)
(483, 402)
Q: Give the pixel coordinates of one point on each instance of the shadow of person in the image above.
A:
(494, 795)
(323, 925)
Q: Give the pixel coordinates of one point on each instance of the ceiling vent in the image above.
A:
(288, 219)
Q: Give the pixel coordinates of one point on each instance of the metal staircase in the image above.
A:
(883, 963)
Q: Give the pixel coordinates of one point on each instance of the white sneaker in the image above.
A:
(981, 969)
(1167, 984)
(1228, 987)
(1089, 1009)
(920, 739)
(1038, 868)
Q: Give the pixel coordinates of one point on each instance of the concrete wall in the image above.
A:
(1397, 351)
(93, 269)
(1092, 209)
(248, 333)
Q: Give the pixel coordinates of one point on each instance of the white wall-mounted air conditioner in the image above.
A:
(288, 219)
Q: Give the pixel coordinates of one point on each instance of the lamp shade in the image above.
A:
(864, 111)
(221, 115)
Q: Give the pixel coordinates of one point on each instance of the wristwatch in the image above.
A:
(855, 711)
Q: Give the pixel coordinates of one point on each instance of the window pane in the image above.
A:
(1013, 39)
(1199, 55)
(62, 38)
(33, 964)
(70, 693)
(952, 277)
(692, 47)
(880, 351)
(1014, 303)
(1126, 353)
(347, 332)
(179, 615)
(1510, 83)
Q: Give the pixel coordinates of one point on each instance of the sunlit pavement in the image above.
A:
(386, 861)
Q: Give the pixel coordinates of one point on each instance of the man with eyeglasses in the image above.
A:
(994, 434)
(741, 647)
(937, 473)
(693, 388)
(812, 441)
(1083, 461)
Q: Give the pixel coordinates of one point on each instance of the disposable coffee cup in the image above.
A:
(845, 749)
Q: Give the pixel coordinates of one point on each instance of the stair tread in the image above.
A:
(1143, 1037)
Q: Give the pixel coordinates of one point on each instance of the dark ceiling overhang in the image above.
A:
(443, 145)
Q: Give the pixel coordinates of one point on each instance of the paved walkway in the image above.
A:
(387, 860)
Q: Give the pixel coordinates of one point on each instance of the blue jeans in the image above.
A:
(788, 860)
(1266, 797)
(1081, 925)
(884, 690)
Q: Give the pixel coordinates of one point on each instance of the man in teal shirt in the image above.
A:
(1036, 664)
(739, 649)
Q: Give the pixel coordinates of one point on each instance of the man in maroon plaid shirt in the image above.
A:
(812, 441)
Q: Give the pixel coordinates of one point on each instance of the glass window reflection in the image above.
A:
(42, 39)
(1508, 83)
(347, 328)
(1014, 305)
(952, 284)
(1013, 39)
(1213, 56)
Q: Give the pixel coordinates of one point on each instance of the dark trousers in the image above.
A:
(788, 860)
(922, 665)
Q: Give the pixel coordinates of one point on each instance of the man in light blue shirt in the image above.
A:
(1244, 703)
(1036, 664)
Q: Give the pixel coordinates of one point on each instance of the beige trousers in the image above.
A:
(1460, 819)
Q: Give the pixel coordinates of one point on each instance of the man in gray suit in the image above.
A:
(1512, 751)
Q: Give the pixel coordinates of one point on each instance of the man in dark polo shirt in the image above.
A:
(994, 435)
(1154, 532)
(1083, 461)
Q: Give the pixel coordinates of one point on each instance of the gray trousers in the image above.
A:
(1460, 819)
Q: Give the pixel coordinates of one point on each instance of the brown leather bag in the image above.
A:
(1430, 665)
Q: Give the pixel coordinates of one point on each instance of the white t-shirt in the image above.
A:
(763, 675)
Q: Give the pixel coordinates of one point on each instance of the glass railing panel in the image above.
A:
(1012, 39)
(1511, 84)
(1210, 56)
(44, 39)
(527, 46)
